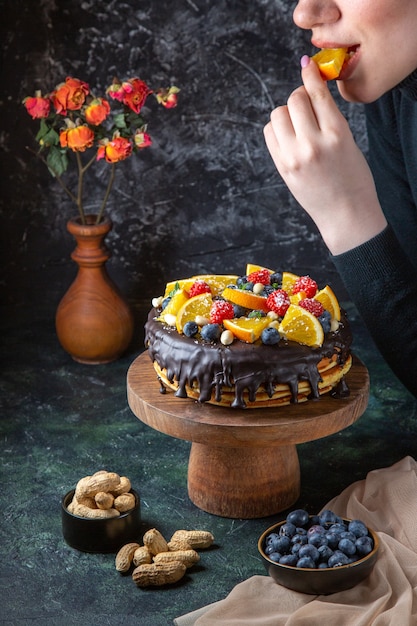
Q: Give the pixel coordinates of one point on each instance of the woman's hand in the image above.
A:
(314, 151)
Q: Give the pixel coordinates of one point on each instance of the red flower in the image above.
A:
(78, 138)
(70, 96)
(97, 111)
(142, 140)
(135, 98)
(118, 149)
(37, 106)
(168, 97)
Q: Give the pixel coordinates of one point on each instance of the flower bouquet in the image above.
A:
(74, 120)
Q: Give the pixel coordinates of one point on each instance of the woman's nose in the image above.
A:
(310, 13)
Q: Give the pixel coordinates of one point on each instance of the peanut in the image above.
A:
(124, 557)
(188, 557)
(157, 574)
(155, 542)
(101, 481)
(104, 500)
(124, 502)
(84, 511)
(141, 556)
(178, 544)
(123, 487)
(195, 538)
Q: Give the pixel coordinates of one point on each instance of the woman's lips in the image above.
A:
(350, 63)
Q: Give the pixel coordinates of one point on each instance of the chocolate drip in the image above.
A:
(246, 366)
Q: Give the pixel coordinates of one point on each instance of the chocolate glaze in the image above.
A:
(246, 366)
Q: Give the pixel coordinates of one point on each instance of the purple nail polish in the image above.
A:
(304, 61)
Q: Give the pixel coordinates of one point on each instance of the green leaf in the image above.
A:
(57, 161)
(120, 121)
(47, 136)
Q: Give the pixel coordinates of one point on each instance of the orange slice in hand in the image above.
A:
(247, 329)
(329, 302)
(198, 305)
(330, 62)
(247, 299)
(301, 326)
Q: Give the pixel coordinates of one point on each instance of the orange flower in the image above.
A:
(97, 111)
(78, 138)
(118, 149)
(168, 97)
(142, 139)
(70, 96)
(38, 107)
(135, 96)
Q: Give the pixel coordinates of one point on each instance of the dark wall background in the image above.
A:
(205, 197)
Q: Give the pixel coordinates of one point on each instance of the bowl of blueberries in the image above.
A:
(318, 554)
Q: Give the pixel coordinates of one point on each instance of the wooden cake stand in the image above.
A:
(243, 463)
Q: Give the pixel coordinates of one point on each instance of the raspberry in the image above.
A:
(278, 301)
(199, 287)
(261, 276)
(221, 310)
(314, 306)
(306, 284)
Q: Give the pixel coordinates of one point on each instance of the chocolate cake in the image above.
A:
(291, 343)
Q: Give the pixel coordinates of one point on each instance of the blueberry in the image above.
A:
(190, 329)
(332, 540)
(270, 336)
(271, 538)
(278, 544)
(317, 539)
(241, 281)
(348, 535)
(325, 553)
(297, 538)
(165, 302)
(364, 545)
(316, 529)
(289, 559)
(347, 547)
(306, 562)
(276, 280)
(337, 559)
(309, 551)
(299, 517)
(338, 528)
(287, 529)
(238, 311)
(328, 517)
(358, 528)
(276, 557)
(211, 332)
(323, 565)
(325, 321)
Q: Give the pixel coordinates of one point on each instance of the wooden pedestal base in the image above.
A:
(243, 463)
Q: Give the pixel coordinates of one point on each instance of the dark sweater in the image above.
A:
(381, 274)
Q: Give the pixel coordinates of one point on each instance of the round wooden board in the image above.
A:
(208, 424)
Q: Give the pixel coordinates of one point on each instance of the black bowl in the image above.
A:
(100, 535)
(319, 581)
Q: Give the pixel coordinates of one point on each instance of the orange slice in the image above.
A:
(182, 283)
(330, 62)
(329, 301)
(247, 299)
(174, 305)
(288, 281)
(251, 267)
(247, 329)
(198, 305)
(301, 326)
(217, 282)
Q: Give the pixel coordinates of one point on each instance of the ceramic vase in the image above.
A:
(94, 323)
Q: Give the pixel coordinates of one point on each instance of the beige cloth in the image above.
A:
(387, 502)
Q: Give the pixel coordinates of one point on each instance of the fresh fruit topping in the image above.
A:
(247, 329)
(175, 285)
(278, 301)
(330, 61)
(305, 284)
(270, 336)
(329, 301)
(211, 332)
(190, 329)
(260, 276)
(175, 303)
(192, 308)
(251, 267)
(246, 299)
(326, 321)
(302, 326)
(221, 310)
(216, 282)
(288, 280)
(314, 306)
(276, 280)
(199, 287)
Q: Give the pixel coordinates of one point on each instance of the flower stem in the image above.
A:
(56, 176)
(106, 195)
